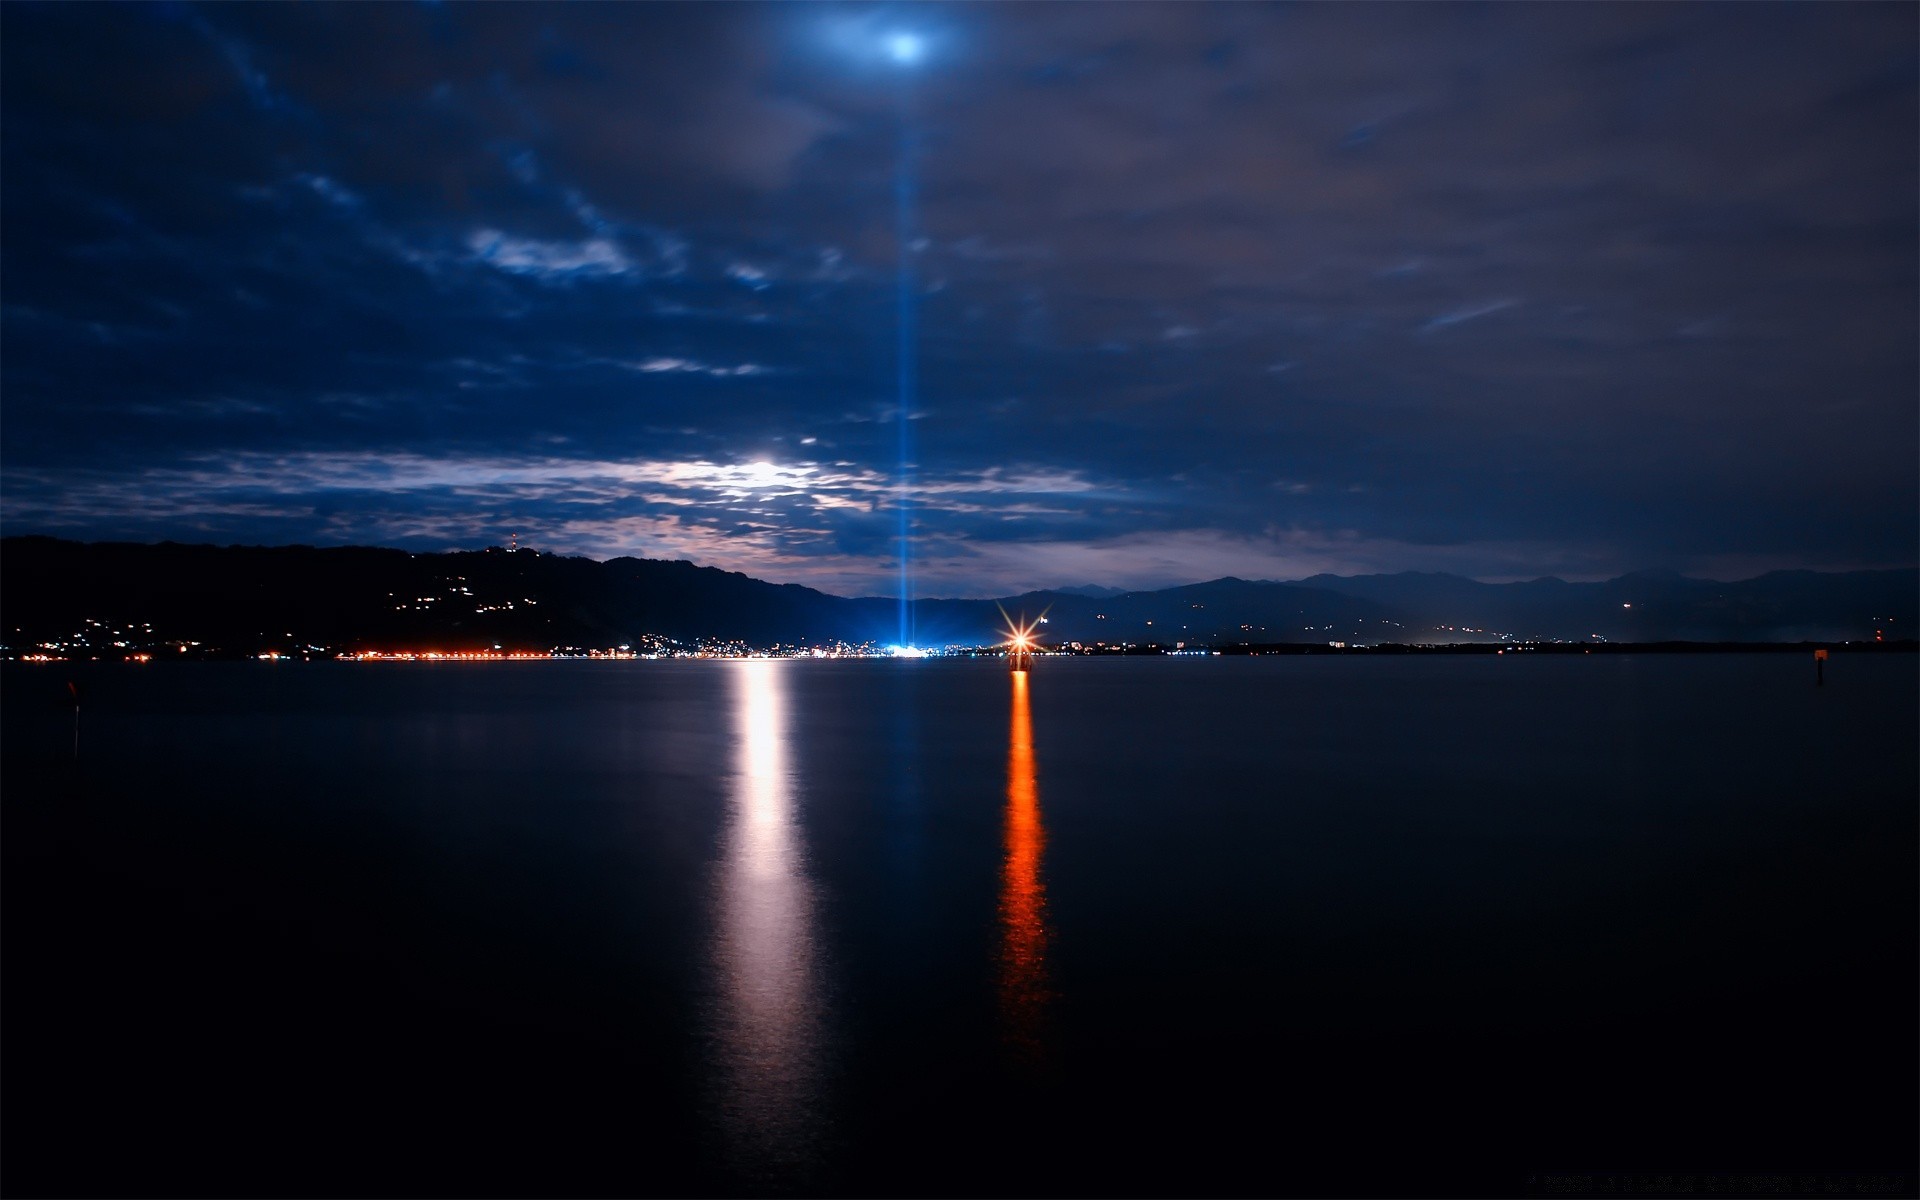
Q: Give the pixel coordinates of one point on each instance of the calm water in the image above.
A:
(1201, 926)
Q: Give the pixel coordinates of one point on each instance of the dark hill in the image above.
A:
(242, 599)
(1649, 606)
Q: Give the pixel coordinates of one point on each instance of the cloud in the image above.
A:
(240, 60)
(656, 366)
(1461, 315)
(548, 261)
(811, 502)
(751, 276)
(331, 191)
(500, 235)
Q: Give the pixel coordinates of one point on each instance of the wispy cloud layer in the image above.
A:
(1459, 315)
(815, 520)
(551, 261)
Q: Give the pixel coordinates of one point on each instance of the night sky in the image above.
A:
(1203, 289)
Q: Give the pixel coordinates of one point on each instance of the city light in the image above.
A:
(1020, 637)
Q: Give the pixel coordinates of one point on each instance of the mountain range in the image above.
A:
(239, 599)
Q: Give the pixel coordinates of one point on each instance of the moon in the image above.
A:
(905, 48)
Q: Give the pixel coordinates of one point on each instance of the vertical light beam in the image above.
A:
(906, 322)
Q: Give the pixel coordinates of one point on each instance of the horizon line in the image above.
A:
(1064, 589)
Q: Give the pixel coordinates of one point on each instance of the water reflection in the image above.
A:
(768, 1021)
(1023, 893)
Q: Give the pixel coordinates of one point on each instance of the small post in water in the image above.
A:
(1820, 667)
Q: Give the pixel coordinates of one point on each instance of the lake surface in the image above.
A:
(1214, 926)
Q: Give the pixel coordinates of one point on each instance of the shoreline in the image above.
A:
(1144, 650)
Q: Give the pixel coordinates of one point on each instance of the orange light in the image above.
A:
(1023, 893)
(1020, 637)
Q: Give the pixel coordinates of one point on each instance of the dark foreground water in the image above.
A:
(1168, 927)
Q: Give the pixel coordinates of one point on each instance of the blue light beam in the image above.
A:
(906, 49)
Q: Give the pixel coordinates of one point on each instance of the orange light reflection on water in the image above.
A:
(1023, 892)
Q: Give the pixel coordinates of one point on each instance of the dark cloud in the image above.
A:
(1203, 288)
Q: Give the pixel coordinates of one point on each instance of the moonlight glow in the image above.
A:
(905, 48)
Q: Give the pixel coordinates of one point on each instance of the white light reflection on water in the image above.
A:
(767, 1027)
